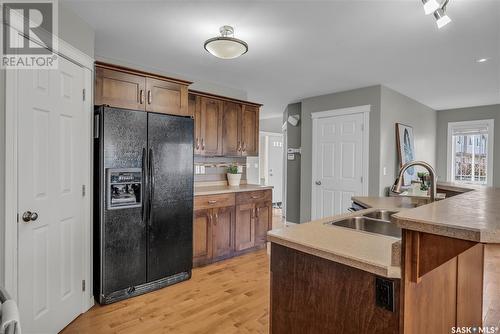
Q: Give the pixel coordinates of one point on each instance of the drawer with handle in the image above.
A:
(254, 196)
(213, 201)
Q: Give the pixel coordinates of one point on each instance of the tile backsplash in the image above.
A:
(208, 169)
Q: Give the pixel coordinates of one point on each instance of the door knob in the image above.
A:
(318, 183)
(30, 216)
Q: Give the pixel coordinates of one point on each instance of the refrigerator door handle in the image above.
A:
(151, 184)
(143, 186)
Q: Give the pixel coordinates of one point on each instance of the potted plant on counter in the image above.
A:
(233, 176)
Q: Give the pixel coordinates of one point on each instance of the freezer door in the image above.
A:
(170, 236)
(122, 230)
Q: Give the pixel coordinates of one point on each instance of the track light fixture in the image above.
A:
(438, 10)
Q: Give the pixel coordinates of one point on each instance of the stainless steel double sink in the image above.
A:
(377, 222)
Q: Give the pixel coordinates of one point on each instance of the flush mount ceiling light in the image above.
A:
(439, 11)
(226, 46)
(430, 6)
(482, 60)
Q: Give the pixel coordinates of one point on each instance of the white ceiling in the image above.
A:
(300, 49)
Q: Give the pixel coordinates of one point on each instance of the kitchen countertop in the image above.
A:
(200, 190)
(375, 253)
(473, 215)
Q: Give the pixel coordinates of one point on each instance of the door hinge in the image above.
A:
(361, 179)
(83, 285)
(83, 190)
(18, 217)
(83, 94)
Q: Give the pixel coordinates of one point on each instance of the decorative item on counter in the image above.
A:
(406, 150)
(425, 180)
(233, 176)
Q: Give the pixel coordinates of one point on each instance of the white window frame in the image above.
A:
(490, 124)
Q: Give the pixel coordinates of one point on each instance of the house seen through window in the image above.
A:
(471, 149)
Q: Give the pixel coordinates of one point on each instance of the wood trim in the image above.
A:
(470, 278)
(139, 72)
(223, 98)
(430, 251)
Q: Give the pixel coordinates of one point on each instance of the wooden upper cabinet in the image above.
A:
(166, 97)
(231, 143)
(211, 126)
(123, 87)
(236, 134)
(194, 109)
(249, 130)
(119, 89)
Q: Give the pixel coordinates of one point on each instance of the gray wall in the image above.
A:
(398, 108)
(352, 98)
(467, 114)
(75, 31)
(293, 166)
(271, 124)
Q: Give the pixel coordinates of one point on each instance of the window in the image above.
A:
(470, 152)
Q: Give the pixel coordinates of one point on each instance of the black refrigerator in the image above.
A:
(143, 202)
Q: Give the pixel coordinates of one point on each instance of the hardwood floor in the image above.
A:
(231, 296)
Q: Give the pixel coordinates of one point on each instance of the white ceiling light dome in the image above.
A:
(226, 46)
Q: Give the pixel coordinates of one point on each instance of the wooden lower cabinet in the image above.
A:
(223, 233)
(223, 227)
(245, 227)
(202, 236)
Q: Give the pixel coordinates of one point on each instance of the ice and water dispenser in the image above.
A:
(124, 188)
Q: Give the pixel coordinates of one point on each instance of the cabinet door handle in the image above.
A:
(216, 218)
(244, 147)
(257, 212)
(141, 96)
(238, 148)
(150, 97)
(212, 202)
(197, 144)
(202, 144)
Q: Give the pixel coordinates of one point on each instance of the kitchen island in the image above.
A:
(332, 279)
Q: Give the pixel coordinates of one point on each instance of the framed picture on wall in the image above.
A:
(406, 150)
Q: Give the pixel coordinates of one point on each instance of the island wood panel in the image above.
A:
(231, 141)
(119, 89)
(166, 97)
(313, 295)
(211, 126)
(470, 278)
(430, 251)
(443, 297)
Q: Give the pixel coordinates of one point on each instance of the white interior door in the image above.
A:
(51, 143)
(337, 163)
(275, 166)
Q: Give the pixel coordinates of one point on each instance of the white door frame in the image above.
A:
(316, 117)
(10, 260)
(266, 135)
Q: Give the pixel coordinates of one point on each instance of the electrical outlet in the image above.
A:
(384, 293)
